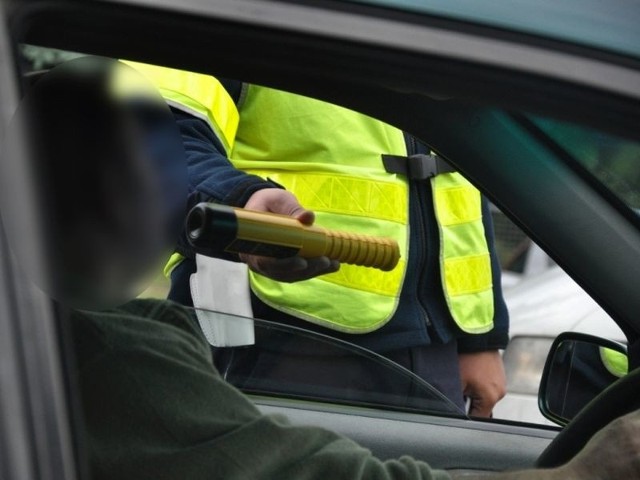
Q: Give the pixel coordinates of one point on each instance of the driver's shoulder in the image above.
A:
(139, 325)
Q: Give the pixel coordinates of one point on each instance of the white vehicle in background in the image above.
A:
(541, 306)
(543, 301)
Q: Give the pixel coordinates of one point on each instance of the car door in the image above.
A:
(35, 438)
(393, 65)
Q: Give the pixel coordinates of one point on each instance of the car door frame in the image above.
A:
(266, 42)
(36, 441)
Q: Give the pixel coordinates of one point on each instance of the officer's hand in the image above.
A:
(483, 380)
(293, 269)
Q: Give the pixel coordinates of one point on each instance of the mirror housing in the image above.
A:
(578, 368)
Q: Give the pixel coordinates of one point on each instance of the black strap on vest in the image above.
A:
(416, 167)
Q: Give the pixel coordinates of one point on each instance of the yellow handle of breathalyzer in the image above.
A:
(212, 228)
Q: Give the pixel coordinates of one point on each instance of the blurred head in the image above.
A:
(110, 172)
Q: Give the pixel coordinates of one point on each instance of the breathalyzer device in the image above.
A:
(212, 228)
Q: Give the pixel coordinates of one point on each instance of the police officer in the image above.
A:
(440, 313)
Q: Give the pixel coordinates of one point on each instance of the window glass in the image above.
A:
(614, 161)
(519, 256)
(541, 299)
(543, 302)
(277, 364)
(35, 58)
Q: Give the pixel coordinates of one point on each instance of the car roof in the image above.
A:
(606, 25)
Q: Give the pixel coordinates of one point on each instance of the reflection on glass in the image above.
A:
(273, 366)
(612, 160)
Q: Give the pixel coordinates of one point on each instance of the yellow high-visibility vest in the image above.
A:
(202, 96)
(330, 158)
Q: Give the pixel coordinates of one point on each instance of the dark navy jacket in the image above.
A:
(422, 316)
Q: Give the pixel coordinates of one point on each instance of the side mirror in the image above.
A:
(578, 368)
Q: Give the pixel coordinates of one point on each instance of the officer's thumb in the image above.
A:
(304, 216)
(289, 205)
(277, 200)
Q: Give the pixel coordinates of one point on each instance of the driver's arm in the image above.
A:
(614, 452)
(155, 407)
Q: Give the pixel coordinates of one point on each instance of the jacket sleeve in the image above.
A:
(498, 337)
(154, 407)
(211, 176)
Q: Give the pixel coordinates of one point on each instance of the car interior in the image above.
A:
(495, 124)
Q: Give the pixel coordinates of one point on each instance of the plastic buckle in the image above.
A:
(422, 166)
(416, 167)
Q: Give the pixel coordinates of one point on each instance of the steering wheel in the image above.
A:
(615, 401)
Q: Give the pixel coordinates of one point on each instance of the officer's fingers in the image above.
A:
(286, 203)
(484, 397)
(490, 393)
(260, 200)
(281, 266)
(320, 266)
(293, 269)
(480, 408)
(275, 200)
(314, 267)
(304, 216)
(274, 268)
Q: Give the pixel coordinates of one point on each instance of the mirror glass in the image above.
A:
(577, 370)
